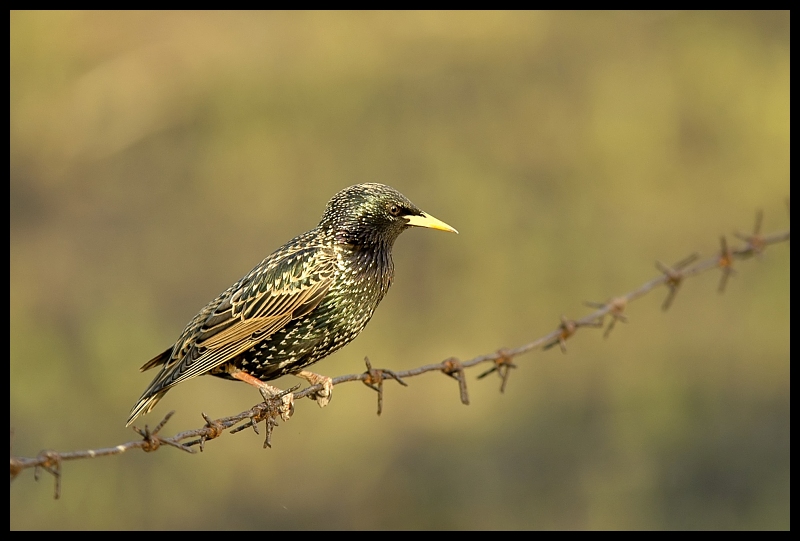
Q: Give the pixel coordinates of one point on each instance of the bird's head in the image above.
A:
(374, 214)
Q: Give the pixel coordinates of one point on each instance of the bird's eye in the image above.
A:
(394, 210)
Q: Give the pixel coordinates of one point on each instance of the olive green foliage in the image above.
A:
(157, 157)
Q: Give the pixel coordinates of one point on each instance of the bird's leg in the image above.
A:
(268, 392)
(323, 396)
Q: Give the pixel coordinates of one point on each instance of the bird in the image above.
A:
(306, 300)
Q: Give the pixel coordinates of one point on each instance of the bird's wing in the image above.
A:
(270, 296)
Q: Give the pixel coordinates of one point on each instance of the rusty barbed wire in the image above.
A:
(269, 411)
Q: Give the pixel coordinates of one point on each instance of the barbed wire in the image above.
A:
(501, 362)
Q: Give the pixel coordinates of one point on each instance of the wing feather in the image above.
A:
(257, 306)
(225, 351)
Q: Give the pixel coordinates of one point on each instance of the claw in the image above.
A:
(286, 408)
(270, 393)
(324, 395)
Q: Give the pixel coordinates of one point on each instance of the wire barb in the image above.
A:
(214, 430)
(567, 329)
(373, 378)
(674, 277)
(51, 463)
(502, 365)
(454, 369)
(725, 263)
(614, 308)
(270, 411)
(755, 242)
(151, 441)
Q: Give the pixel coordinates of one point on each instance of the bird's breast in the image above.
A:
(363, 278)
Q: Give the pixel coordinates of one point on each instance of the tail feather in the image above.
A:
(144, 405)
(159, 359)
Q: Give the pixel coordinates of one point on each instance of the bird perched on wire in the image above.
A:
(306, 300)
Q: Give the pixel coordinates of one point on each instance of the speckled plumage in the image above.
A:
(304, 301)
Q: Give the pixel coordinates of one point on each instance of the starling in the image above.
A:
(306, 300)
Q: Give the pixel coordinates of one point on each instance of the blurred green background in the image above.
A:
(157, 157)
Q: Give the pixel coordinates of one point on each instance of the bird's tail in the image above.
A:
(144, 405)
(149, 398)
(158, 360)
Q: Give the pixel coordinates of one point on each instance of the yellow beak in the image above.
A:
(426, 220)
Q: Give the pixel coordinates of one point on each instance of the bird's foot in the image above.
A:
(324, 395)
(284, 399)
